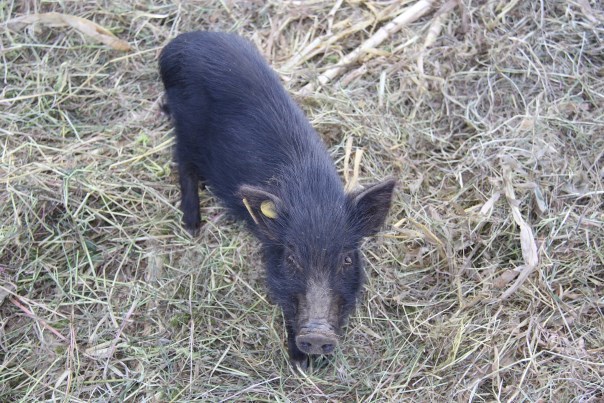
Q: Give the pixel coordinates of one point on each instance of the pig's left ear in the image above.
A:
(263, 207)
(370, 207)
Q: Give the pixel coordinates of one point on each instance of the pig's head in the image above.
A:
(311, 247)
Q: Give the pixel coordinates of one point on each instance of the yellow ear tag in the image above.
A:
(268, 209)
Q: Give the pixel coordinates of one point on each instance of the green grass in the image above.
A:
(104, 296)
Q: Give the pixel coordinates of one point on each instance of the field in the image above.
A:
(486, 283)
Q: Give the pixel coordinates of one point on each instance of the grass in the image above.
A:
(104, 297)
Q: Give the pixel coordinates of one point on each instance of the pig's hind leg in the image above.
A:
(189, 193)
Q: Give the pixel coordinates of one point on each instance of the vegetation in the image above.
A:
(486, 284)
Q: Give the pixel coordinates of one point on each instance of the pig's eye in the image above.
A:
(347, 261)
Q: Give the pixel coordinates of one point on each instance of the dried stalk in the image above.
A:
(527, 239)
(408, 16)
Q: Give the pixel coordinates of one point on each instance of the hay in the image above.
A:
(490, 114)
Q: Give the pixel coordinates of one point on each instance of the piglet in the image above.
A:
(241, 134)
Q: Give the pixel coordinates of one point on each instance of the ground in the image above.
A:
(486, 283)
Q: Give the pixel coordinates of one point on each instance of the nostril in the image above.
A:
(304, 346)
(327, 348)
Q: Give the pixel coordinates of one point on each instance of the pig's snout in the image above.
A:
(315, 340)
(315, 343)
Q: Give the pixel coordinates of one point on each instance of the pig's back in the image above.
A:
(234, 120)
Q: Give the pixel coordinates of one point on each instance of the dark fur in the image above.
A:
(240, 133)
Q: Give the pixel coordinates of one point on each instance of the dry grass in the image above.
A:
(486, 112)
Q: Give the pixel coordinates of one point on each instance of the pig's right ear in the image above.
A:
(263, 207)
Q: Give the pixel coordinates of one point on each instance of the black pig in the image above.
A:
(238, 131)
